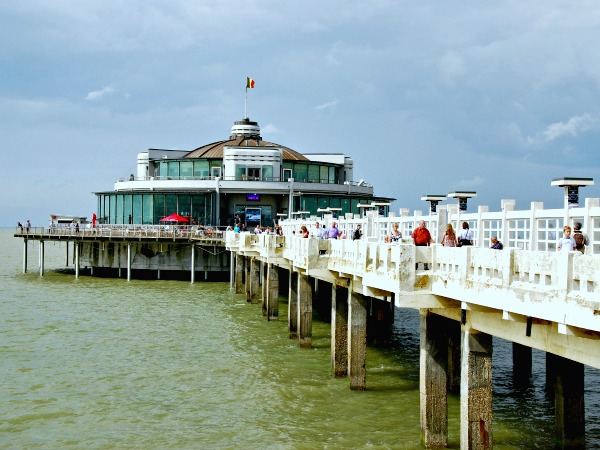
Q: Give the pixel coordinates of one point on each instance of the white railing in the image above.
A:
(561, 287)
(531, 229)
(130, 231)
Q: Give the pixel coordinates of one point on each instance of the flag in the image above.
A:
(249, 83)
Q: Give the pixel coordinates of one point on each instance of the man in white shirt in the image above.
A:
(319, 231)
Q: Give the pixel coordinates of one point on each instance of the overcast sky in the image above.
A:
(426, 97)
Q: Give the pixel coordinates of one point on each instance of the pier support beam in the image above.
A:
(76, 252)
(193, 269)
(569, 407)
(272, 292)
(248, 268)
(24, 255)
(357, 341)
(42, 257)
(231, 270)
(293, 305)
(522, 364)
(264, 279)
(476, 390)
(339, 330)
(433, 380)
(239, 273)
(128, 261)
(254, 280)
(304, 311)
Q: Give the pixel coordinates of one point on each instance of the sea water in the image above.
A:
(101, 363)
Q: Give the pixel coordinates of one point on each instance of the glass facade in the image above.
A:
(142, 208)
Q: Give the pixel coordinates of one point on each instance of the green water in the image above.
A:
(105, 363)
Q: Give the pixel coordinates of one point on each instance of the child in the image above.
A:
(566, 243)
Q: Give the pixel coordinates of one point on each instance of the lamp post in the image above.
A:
(433, 202)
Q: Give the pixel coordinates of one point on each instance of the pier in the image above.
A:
(528, 294)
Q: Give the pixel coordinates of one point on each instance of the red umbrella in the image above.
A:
(175, 218)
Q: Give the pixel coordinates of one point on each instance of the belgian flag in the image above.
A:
(249, 83)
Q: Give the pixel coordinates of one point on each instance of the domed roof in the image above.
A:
(244, 133)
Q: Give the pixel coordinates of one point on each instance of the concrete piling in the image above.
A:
(339, 330)
(357, 341)
(433, 380)
(476, 390)
(304, 311)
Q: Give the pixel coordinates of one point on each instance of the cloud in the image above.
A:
(332, 57)
(106, 91)
(451, 66)
(474, 182)
(329, 105)
(573, 126)
(270, 129)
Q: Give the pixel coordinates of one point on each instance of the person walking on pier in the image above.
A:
(421, 238)
(566, 242)
(449, 237)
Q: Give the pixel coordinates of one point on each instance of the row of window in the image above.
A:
(303, 172)
(143, 208)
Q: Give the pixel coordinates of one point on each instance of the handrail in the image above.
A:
(129, 231)
(244, 178)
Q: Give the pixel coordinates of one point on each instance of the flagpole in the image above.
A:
(246, 103)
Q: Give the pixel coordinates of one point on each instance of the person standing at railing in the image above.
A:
(566, 242)
(395, 234)
(421, 238)
(333, 232)
(465, 237)
(304, 231)
(357, 233)
(319, 231)
(581, 239)
(20, 226)
(449, 237)
(28, 226)
(496, 244)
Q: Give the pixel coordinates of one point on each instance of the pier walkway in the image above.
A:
(528, 293)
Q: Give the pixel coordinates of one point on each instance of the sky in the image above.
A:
(426, 97)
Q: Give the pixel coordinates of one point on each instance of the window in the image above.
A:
(300, 172)
(201, 169)
(313, 174)
(215, 172)
(324, 174)
(253, 173)
(186, 169)
(287, 174)
(173, 168)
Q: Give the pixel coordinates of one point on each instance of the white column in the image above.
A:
(42, 258)
(128, 262)
(193, 277)
(76, 245)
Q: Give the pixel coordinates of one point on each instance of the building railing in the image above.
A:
(244, 178)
